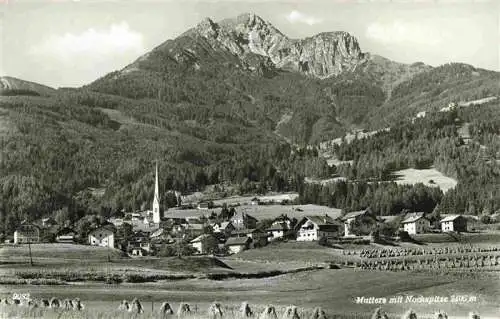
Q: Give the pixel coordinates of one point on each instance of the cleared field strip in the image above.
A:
(413, 176)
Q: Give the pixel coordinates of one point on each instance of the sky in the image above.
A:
(64, 43)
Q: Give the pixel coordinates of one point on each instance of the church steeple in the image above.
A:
(156, 200)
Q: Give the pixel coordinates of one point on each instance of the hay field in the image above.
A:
(59, 250)
(413, 176)
(262, 211)
(333, 290)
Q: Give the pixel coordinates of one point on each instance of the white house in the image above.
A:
(103, 236)
(456, 223)
(199, 243)
(350, 219)
(277, 231)
(416, 224)
(238, 244)
(315, 227)
(27, 233)
(242, 220)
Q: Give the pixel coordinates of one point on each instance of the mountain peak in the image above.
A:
(257, 44)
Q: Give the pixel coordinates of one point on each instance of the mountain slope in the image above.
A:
(14, 86)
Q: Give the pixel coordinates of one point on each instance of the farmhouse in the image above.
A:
(139, 247)
(27, 233)
(352, 219)
(225, 228)
(277, 231)
(315, 227)
(259, 238)
(416, 224)
(102, 236)
(66, 235)
(238, 244)
(242, 220)
(202, 242)
(456, 223)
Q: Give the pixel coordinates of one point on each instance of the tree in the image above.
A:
(124, 233)
(210, 245)
(62, 216)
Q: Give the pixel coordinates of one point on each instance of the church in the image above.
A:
(156, 201)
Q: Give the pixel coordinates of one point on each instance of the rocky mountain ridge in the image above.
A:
(258, 45)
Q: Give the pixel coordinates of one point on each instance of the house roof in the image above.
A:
(243, 215)
(450, 218)
(277, 227)
(200, 238)
(195, 226)
(411, 218)
(246, 231)
(157, 232)
(354, 214)
(25, 227)
(319, 220)
(237, 241)
(110, 228)
(65, 231)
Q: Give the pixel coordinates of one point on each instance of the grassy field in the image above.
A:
(333, 290)
(489, 237)
(263, 211)
(413, 176)
(68, 251)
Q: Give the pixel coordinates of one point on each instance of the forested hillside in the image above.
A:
(422, 143)
(60, 150)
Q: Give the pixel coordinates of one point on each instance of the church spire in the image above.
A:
(156, 200)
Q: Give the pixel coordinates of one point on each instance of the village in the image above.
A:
(230, 229)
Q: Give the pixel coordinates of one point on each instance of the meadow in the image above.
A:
(413, 176)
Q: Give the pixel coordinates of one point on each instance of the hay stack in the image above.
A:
(55, 303)
(184, 309)
(124, 306)
(318, 313)
(166, 309)
(410, 314)
(77, 304)
(268, 313)
(245, 310)
(291, 313)
(473, 315)
(215, 311)
(440, 315)
(379, 314)
(68, 304)
(136, 306)
(45, 303)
